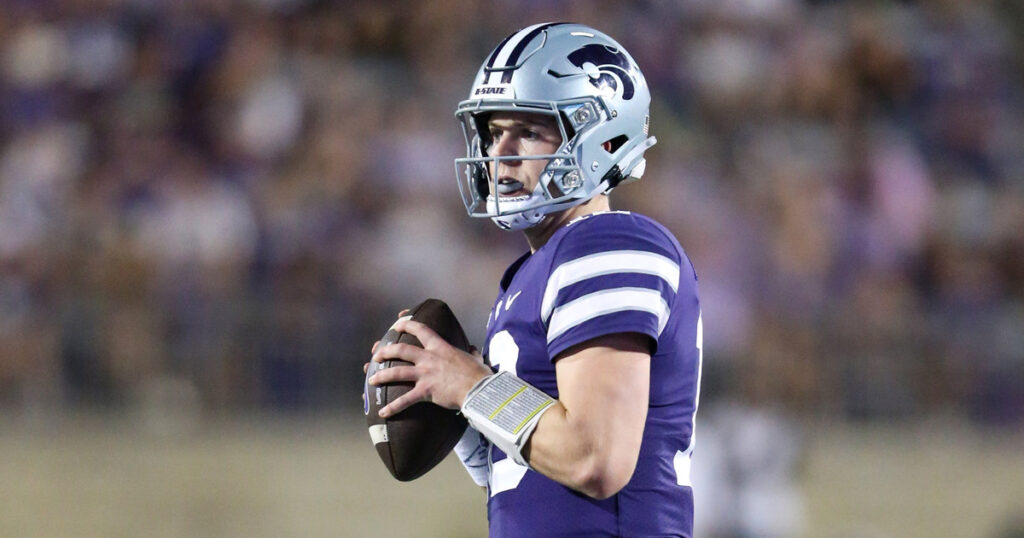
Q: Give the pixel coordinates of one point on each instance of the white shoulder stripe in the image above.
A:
(606, 263)
(604, 302)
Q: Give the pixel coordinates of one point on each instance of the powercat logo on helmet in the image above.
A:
(495, 90)
(613, 68)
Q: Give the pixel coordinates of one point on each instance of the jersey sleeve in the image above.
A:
(610, 275)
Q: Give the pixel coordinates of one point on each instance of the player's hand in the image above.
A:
(376, 344)
(441, 373)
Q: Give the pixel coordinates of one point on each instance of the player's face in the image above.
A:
(520, 134)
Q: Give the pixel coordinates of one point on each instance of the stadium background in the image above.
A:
(209, 210)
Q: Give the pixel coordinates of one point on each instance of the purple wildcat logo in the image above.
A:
(613, 65)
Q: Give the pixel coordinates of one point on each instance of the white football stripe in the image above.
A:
(506, 51)
(604, 302)
(606, 263)
(379, 433)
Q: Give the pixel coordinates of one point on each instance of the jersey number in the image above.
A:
(504, 353)
(682, 459)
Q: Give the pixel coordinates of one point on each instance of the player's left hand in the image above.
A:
(441, 373)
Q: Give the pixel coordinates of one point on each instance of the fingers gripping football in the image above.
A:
(440, 372)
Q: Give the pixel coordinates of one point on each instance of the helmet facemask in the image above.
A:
(560, 183)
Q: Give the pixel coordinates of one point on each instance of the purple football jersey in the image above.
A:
(606, 273)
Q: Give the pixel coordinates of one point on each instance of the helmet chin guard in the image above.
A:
(517, 214)
(593, 89)
(515, 222)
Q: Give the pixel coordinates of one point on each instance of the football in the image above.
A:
(412, 442)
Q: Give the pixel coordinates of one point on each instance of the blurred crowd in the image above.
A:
(223, 203)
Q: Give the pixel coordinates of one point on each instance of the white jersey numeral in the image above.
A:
(682, 459)
(505, 474)
(504, 352)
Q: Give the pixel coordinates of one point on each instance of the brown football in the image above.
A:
(417, 439)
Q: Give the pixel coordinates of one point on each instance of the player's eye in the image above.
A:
(530, 134)
(488, 139)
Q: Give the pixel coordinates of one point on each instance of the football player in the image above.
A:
(584, 424)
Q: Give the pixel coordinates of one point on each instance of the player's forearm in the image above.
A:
(590, 440)
(588, 455)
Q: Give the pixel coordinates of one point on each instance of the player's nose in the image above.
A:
(506, 146)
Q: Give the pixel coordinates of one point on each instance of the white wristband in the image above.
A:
(472, 451)
(505, 410)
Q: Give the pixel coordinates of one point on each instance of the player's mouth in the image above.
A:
(512, 188)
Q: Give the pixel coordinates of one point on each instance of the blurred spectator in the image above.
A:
(748, 462)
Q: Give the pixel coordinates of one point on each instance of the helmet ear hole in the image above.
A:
(613, 145)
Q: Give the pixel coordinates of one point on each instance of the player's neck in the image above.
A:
(539, 235)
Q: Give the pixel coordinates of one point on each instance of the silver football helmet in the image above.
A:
(597, 94)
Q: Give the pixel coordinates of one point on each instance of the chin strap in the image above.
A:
(518, 221)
